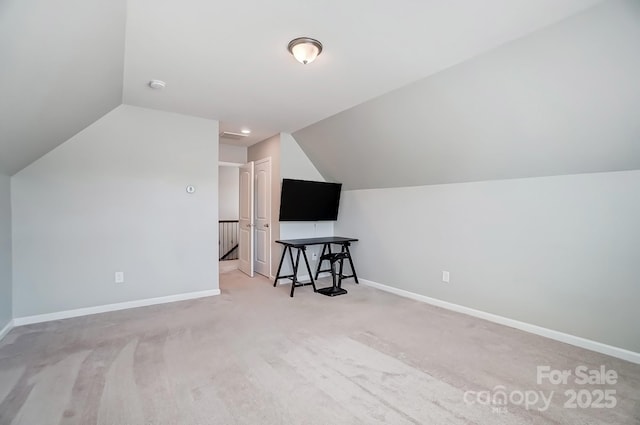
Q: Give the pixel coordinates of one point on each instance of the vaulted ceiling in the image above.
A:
(61, 65)
(65, 63)
(228, 59)
(563, 100)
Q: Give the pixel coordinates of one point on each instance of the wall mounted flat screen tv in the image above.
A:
(303, 200)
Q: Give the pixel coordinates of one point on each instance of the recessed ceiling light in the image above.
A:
(245, 131)
(157, 84)
(232, 135)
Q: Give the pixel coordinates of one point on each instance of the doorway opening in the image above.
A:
(228, 202)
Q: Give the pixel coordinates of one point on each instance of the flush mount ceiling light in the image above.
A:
(157, 84)
(305, 49)
(245, 131)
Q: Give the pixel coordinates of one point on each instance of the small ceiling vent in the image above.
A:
(234, 136)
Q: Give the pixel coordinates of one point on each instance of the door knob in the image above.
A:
(266, 225)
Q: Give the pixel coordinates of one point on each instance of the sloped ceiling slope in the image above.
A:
(227, 59)
(563, 100)
(61, 69)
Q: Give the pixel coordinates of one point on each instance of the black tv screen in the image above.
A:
(303, 200)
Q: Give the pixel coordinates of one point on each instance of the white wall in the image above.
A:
(228, 192)
(294, 164)
(558, 252)
(232, 153)
(5, 252)
(113, 198)
(228, 183)
(288, 161)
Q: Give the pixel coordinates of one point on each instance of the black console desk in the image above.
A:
(301, 247)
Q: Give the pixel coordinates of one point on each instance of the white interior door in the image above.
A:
(246, 220)
(263, 216)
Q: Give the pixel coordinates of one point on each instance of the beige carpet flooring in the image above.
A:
(255, 356)
(228, 266)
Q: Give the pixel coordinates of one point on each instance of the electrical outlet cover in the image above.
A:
(119, 278)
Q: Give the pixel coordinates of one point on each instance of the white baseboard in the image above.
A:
(6, 329)
(599, 347)
(28, 320)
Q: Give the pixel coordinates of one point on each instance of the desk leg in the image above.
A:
(284, 254)
(324, 249)
(353, 269)
(294, 279)
(304, 253)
